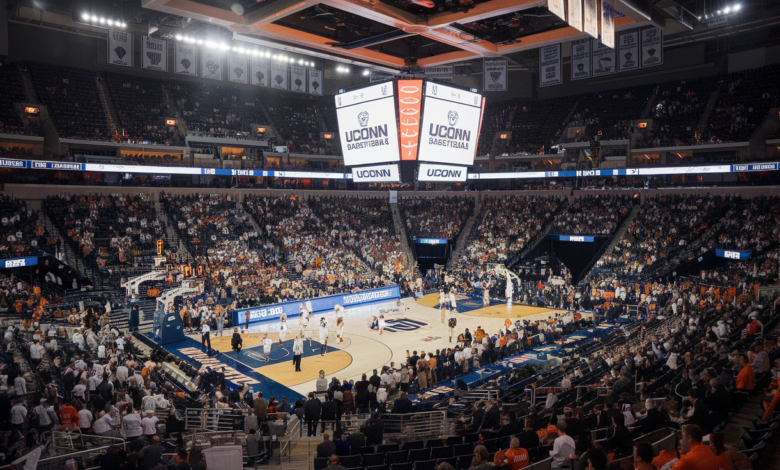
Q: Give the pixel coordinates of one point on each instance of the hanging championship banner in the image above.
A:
(550, 65)
(575, 14)
(628, 51)
(186, 58)
(608, 23)
(380, 76)
(444, 73)
(495, 75)
(556, 8)
(279, 76)
(259, 72)
(315, 82)
(211, 64)
(155, 53)
(652, 47)
(298, 78)
(580, 59)
(120, 48)
(590, 17)
(602, 58)
(238, 68)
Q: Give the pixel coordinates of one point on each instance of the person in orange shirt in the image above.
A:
(746, 375)
(515, 457)
(699, 456)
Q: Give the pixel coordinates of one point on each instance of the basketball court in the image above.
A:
(414, 326)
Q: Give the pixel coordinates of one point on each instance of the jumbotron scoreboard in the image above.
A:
(418, 120)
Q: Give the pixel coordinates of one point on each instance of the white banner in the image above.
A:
(155, 53)
(377, 173)
(628, 51)
(450, 125)
(652, 47)
(380, 76)
(575, 14)
(580, 59)
(556, 8)
(608, 23)
(550, 65)
(259, 72)
(367, 125)
(443, 73)
(315, 82)
(238, 68)
(431, 172)
(393, 197)
(186, 59)
(211, 64)
(120, 48)
(590, 16)
(279, 76)
(494, 74)
(602, 58)
(298, 78)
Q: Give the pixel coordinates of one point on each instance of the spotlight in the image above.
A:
(268, 54)
(300, 62)
(200, 41)
(225, 47)
(102, 20)
(85, 16)
(737, 7)
(274, 57)
(123, 25)
(178, 37)
(111, 22)
(719, 12)
(94, 19)
(727, 10)
(366, 72)
(292, 60)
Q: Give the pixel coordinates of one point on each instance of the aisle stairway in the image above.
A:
(171, 236)
(29, 87)
(70, 257)
(610, 247)
(464, 235)
(400, 231)
(112, 118)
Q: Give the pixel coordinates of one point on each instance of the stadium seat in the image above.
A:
(434, 443)
(441, 452)
(413, 445)
(464, 462)
(424, 465)
(400, 456)
(387, 448)
(454, 440)
(491, 445)
(321, 462)
(373, 459)
(416, 455)
(350, 461)
(471, 438)
(449, 460)
(377, 467)
(463, 449)
(366, 450)
(402, 466)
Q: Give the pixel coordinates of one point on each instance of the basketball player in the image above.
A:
(453, 301)
(304, 319)
(267, 343)
(283, 329)
(509, 291)
(340, 329)
(381, 324)
(442, 302)
(485, 297)
(297, 352)
(323, 336)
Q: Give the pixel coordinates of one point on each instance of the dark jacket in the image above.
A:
(329, 410)
(311, 409)
(528, 439)
(402, 405)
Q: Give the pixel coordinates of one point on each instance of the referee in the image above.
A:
(205, 337)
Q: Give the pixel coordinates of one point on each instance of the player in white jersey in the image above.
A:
(442, 302)
(283, 329)
(486, 296)
(323, 335)
(340, 329)
(509, 291)
(267, 343)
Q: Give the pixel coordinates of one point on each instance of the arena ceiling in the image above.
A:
(395, 33)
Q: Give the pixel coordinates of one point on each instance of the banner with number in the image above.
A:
(259, 72)
(590, 17)
(315, 82)
(575, 14)
(652, 47)
(628, 51)
(120, 48)
(602, 58)
(238, 68)
(186, 58)
(495, 75)
(211, 64)
(556, 8)
(580, 59)
(279, 76)
(550, 65)
(298, 78)
(608, 23)
(155, 53)
(444, 73)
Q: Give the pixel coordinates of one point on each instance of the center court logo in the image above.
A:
(403, 324)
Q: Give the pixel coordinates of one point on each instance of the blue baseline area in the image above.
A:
(268, 386)
(254, 356)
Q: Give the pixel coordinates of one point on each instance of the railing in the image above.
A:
(76, 440)
(84, 458)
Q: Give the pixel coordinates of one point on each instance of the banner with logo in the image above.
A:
(279, 76)
(550, 65)
(435, 172)
(298, 78)
(315, 82)
(186, 58)
(120, 48)
(495, 74)
(259, 72)
(575, 14)
(376, 174)
(444, 73)
(602, 58)
(652, 47)
(590, 17)
(628, 51)
(155, 53)
(580, 59)
(211, 64)
(556, 8)
(238, 68)
(608, 23)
